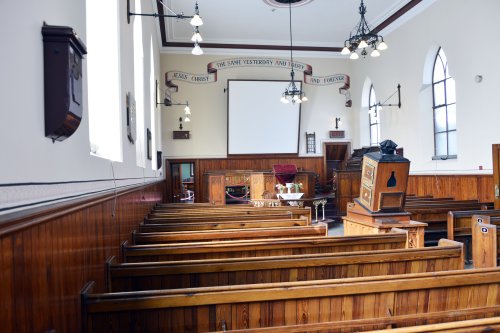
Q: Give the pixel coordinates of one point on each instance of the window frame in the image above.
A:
(445, 105)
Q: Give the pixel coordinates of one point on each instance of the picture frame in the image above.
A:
(149, 144)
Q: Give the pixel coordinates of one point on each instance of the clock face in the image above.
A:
(131, 118)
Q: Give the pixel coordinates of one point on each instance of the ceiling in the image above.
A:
(317, 26)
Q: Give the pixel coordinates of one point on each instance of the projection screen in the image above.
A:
(258, 122)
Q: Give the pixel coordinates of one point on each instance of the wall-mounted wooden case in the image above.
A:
(181, 134)
(62, 62)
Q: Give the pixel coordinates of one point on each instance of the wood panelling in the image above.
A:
(255, 162)
(461, 187)
(47, 256)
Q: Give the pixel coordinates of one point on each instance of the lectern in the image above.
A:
(380, 206)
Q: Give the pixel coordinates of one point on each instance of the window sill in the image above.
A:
(444, 157)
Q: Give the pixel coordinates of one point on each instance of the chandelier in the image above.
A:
(292, 93)
(363, 38)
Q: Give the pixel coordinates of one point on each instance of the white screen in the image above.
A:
(258, 122)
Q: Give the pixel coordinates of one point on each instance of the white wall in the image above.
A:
(27, 155)
(465, 30)
(208, 102)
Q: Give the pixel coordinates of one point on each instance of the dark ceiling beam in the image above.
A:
(403, 10)
(256, 47)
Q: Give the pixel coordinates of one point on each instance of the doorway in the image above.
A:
(335, 155)
(183, 182)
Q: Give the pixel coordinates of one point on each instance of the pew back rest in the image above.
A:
(214, 272)
(295, 303)
(319, 229)
(263, 247)
(219, 225)
(459, 222)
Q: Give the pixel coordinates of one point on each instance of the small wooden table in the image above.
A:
(382, 226)
(361, 221)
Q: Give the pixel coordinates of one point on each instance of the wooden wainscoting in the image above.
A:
(46, 257)
(461, 187)
(253, 162)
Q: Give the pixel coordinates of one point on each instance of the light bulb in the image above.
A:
(196, 20)
(354, 56)
(187, 110)
(187, 120)
(298, 100)
(375, 53)
(197, 49)
(305, 99)
(196, 36)
(285, 100)
(345, 51)
(362, 44)
(382, 46)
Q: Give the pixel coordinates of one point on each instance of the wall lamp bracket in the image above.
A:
(380, 105)
(337, 123)
(180, 16)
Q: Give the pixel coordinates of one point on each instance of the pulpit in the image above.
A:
(379, 208)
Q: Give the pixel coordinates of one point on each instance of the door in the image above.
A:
(334, 156)
(176, 183)
(496, 174)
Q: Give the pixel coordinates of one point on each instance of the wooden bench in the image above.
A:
(215, 272)
(262, 247)
(435, 215)
(221, 225)
(364, 303)
(220, 218)
(319, 229)
(226, 215)
(449, 322)
(485, 250)
(229, 210)
(459, 227)
(491, 324)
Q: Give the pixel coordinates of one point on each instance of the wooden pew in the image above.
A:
(262, 247)
(363, 303)
(215, 272)
(229, 210)
(436, 214)
(491, 324)
(221, 225)
(485, 251)
(459, 227)
(449, 322)
(208, 215)
(220, 218)
(318, 229)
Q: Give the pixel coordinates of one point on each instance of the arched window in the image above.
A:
(374, 118)
(444, 106)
